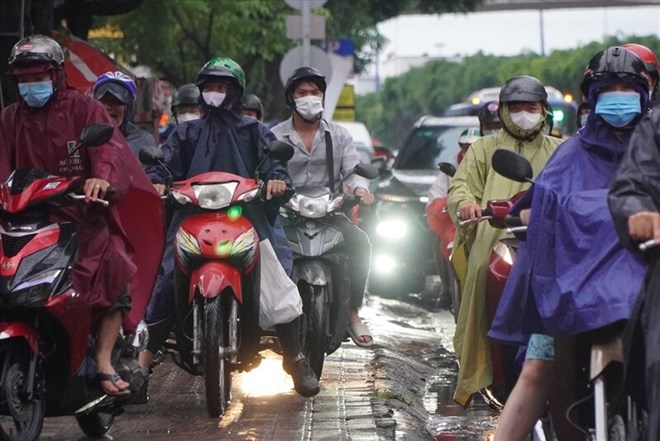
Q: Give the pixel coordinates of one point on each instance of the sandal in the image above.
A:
(359, 329)
(112, 378)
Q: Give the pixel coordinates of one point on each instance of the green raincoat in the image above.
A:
(476, 181)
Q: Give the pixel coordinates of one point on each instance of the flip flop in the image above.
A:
(359, 329)
(112, 378)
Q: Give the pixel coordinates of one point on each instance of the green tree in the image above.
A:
(432, 88)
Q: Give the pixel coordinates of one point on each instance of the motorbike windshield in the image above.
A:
(427, 146)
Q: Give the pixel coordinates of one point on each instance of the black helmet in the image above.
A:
(298, 75)
(36, 49)
(186, 95)
(523, 88)
(252, 102)
(615, 62)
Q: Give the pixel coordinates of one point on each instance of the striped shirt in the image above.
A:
(308, 168)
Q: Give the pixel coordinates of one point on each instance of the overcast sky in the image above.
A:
(511, 32)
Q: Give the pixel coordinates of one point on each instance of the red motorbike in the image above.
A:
(216, 276)
(46, 348)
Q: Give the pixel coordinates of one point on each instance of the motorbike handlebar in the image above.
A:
(513, 221)
(81, 197)
(645, 246)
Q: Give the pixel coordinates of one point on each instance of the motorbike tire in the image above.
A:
(217, 375)
(30, 412)
(96, 423)
(315, 319)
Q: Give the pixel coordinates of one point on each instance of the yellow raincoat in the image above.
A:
(476, 181)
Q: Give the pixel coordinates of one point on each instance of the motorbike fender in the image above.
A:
(20, 330)
(602, 354)
(212, 278)
(314, 272)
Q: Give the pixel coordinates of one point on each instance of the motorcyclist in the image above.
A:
(117, 91)
(439, 188)
(313, 137)
(252, 107)
(185, 104)
(223, 140)
(634, 202)
(38, 131)
(523, 108)
(572, 276)
(489, 118)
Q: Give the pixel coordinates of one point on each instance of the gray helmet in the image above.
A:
(252, 102)
(186, 95)
(36, 49)
(523, 88)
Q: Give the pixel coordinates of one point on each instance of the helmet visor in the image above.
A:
(114, 89)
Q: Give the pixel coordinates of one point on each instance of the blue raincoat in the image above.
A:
(572, 275)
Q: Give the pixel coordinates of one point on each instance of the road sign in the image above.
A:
(294, 27)
(298, 4)
(294, 59)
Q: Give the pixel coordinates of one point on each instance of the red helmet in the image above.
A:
(649, 59)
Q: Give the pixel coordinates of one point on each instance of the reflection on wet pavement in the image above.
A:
(427, 337)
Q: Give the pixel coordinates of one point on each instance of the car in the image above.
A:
(402, 257)
(361, 139)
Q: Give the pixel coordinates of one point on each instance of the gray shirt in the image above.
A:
(308, 168)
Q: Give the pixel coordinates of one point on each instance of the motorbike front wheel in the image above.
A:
(217, 375)
(21, 418)
(315, 319)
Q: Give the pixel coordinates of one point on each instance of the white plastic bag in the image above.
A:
(279, 300)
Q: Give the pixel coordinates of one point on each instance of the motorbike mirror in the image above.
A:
(447, 168)
(367, 171)
(279, 150)
(96, 134)
(512, 165)
(151, 155)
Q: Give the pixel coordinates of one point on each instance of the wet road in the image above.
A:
(401, 388)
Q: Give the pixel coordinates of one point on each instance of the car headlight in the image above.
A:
(384, 264)
(214, 196)
(392, 229)
(396, 197)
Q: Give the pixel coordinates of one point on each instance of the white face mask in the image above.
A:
(214, 99)
(309, 107)
(525, 120)
(187, 117)
(489, 132)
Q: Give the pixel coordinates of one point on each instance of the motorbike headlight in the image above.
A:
(35, 289)
(504, 252)
(313, 207)
(394, 229)
(214, 196)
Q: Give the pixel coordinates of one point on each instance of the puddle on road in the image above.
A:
(447, 420)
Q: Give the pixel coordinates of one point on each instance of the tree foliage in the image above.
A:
(176, 38)
(432, 88)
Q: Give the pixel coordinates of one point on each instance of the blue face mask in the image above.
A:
(36, 94)
(618, 109)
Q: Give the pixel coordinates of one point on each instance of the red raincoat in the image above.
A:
(114, 242)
